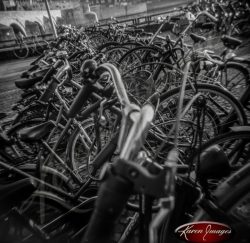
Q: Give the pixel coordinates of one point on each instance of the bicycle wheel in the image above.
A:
(137, 56)
(235, 144)
(40, 46)
(84, 147)
(234, 76)
(97, 40)
(131, 45)
(241, 28)
(22, 51)
(114, 54)
(107, 46)
(219, 111)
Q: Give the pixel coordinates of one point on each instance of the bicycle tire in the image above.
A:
(78, 164)
(136, 54)
(239, 81)
(97, 39)
(234, 76)
(131, 45)
(113, 54)
(22, 52)
(242, 119)
(107, 46)
(40, 46)
(240, 28)
(213, 125)
(235, 145)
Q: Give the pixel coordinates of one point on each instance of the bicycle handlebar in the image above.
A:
(55, 80)
(137, 134)
(197, 16)
(52, 70)
(79, 101)
(92, 86)
(117, 80)
(114, 192)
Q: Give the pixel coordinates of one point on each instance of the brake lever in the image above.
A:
(102, 119)
(127, 113)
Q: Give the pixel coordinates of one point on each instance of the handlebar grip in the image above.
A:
(112, 197)
(49, 91)
(79, 101)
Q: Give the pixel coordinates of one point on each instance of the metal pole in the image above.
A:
(50, 18)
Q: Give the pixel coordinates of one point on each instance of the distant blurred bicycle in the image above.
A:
(38, 45)
(22, 49)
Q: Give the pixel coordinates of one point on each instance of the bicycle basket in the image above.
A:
(140, 85)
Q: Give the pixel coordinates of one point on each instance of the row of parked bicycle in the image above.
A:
(233, 19)
(128, 140)
(233, 16)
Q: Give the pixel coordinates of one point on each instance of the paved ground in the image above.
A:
(9, 72)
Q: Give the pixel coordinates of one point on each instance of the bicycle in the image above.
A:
(21, 50)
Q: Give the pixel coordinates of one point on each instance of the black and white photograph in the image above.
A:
(124, 121)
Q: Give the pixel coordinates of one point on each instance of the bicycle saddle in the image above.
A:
(197, 38)
(15, 192)
(230, 41)
(37, 132)
(27, 83)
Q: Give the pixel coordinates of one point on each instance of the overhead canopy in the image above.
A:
(18, 28)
